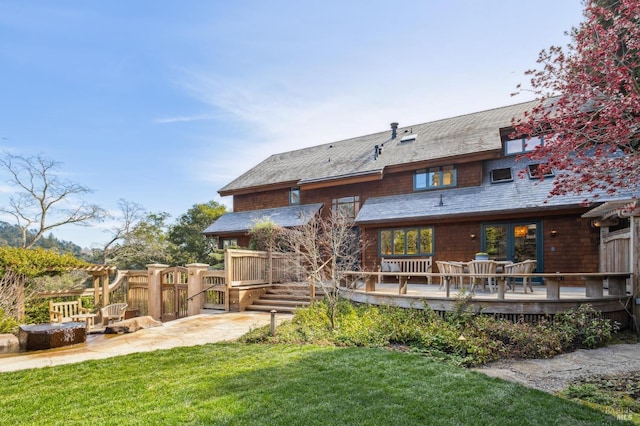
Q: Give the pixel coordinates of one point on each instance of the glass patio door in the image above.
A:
(515, 241)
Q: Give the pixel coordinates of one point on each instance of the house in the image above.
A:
(445, 189)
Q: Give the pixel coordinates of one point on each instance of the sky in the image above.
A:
(162, 103)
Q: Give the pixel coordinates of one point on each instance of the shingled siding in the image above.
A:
(261, 200)
(574, 249)
(468, 174)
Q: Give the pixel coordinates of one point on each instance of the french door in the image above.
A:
(515, 241)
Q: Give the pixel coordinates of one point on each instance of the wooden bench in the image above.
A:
(65, 311)
(409, 266)
(113, 312)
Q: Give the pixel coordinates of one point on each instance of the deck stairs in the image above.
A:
(283, 298)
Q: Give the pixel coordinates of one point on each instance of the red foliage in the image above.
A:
(589, 101)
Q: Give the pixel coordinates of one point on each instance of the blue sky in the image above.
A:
(162, 103)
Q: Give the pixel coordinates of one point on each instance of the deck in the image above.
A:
(545, 301)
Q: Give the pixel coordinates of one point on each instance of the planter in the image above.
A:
(482, 256)
(130, 313)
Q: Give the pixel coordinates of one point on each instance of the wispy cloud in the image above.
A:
(184, 119)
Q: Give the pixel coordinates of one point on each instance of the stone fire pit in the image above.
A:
(48, 336)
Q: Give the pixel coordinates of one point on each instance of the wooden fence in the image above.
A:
(169, 293)
(247, 267)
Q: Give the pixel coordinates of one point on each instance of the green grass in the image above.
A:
(245, 384)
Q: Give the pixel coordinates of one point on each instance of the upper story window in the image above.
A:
(294, 196)
(434, 177)
(522, 145)
(501, 175)
(533, 171)
(405, 242)
(349, 206)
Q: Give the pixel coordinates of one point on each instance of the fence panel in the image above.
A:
(215, 290)
(247, 267)
(174, 293)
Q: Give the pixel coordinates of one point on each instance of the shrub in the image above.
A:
(7, 324)
(464, 337)
(584, 327)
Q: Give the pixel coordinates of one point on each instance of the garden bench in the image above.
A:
(113, 312)
(409, 266)
(65, 311)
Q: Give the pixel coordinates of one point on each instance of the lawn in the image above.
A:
(244, 384)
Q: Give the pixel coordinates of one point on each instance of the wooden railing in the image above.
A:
(247, 267)
(178, 292)
(595, 282)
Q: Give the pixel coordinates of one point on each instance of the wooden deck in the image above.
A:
(545, 301)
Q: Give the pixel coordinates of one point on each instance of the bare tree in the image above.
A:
(43, 200)
(325, 249)
(132, 214)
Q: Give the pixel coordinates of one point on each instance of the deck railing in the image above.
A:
(615, 282)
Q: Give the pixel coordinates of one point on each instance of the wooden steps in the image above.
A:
(283, 298)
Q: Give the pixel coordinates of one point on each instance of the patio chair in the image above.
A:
(443, 268)
(524, 267)
(113, 312)
(481, 270)
(457, 268)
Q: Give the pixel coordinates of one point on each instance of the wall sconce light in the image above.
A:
(554, 232)
(472, 236)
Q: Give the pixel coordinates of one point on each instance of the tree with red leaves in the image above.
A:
(589, 104)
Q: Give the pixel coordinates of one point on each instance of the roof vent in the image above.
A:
(394, 130)
(408, 138)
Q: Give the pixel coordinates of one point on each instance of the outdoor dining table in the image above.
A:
(86, 318)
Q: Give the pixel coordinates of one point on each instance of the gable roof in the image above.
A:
(452, 137)
(236, 222)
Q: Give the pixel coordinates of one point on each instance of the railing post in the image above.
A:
(155, 289)
(194, 286)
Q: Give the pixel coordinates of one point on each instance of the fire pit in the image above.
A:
(48, 336)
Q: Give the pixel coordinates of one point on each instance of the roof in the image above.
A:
(452, 137)
(616, 208)
(286, 217)
(521, 195)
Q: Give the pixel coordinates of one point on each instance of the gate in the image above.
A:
(174, 293)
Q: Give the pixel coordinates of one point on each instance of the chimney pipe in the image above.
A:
(394, 130)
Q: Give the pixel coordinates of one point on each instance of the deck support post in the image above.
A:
(501, 285)
(553, 288)
(617, 286)
(593, 287)
(403, 282)
(370, 283)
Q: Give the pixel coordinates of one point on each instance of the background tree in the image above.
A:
(43, 200)
(589, 102)
(145, 243)
(20, 267)
(188, 244)
(324, 249)
(131, 215)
